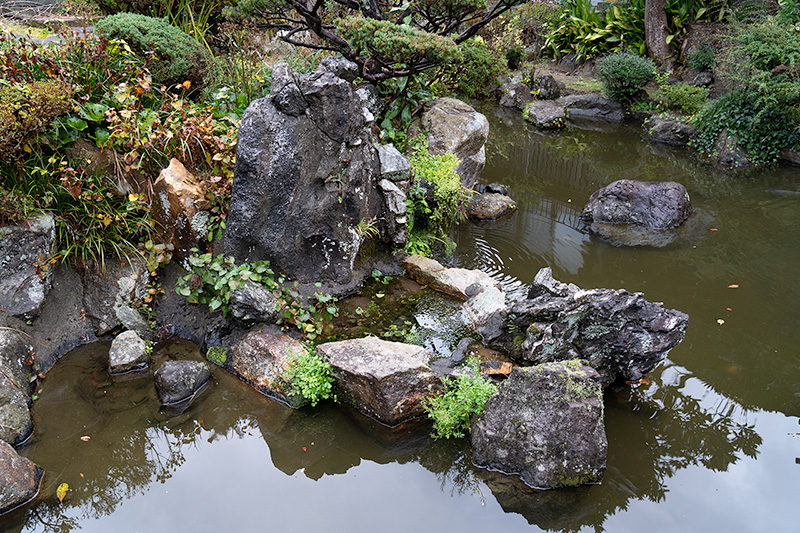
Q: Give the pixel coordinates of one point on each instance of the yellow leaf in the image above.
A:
(187, 84)
(61, 491)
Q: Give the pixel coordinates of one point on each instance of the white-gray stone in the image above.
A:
(128, 353)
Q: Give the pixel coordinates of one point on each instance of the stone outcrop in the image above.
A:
(128, 353)
(181, 209)
(179, 381)
(791, 156)
(669, 131)
(515, 94)
(546, 425)
(619, 333)
(19, 479)
(109, 294)
(307, 178)
(548, 88)
(254, 303)
(630, 212)
(16, 424)
(592, 106)
(383, 380)
(24, 274)
(455, 127)
(490, 206)
(545, 114)
(262, 358)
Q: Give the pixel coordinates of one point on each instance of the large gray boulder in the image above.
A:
(16, 424)
(669, 131)
(179, 381)
(546, 425)
(306, 179)
(128, 353)
(262, 358)
(545, 114)
(619, 333)
(592, 106)
(24, 274)
(548, 88)
(19, 479)
(384, 380)
(455, 127)
(489, 207)
(630, 212)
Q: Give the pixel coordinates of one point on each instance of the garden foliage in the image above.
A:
(624, 74)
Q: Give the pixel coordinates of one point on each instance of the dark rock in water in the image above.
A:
(252, 303)
(109, 294)
(619, 333)
(791, 156)
(515, 94)
(307, 177)
(177, 381)
(545, 114)
(261, 359)
(546, 425)
(671, 132)
(592, 106)
(630, 213)
(128, 353)
(490, 206)
(455, 127)
(20, 479)
(16, 424)
(496, 188)
(383, 380)
(24, 277)
(548, 88)
(782, 192)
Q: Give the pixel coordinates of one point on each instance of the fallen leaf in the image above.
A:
(720, 321)
(713, 229)
(85, 438)
(81, 474)
(304, 448)
(61, 491)
(728, 309)
(733, 286)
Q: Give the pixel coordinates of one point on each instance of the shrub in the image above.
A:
(177, 57)
(477, 73)
(762, 128)
(310, 376)
(464, 397)
(681, 97)
(624, 74)
(29, 107)
(701, 58)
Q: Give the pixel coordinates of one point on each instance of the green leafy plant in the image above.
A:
(310, 376)
(476, 74)
(624, 74)
(680, 97)
(701, 58)
(464, 396)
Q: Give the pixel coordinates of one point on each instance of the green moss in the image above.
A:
(217, 355)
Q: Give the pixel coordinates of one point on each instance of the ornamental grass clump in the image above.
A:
(624, 74)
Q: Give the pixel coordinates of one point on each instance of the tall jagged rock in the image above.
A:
(307, 191)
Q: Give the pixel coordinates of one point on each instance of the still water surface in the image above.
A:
(711, 444)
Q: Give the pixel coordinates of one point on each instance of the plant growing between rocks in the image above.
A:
(464, 396)
(310, 376)
(624, 74)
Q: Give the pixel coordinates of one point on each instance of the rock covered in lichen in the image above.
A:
(25, 279)
(546, 425)
(16, 423)
(20, 479)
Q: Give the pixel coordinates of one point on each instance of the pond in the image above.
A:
(712, 442)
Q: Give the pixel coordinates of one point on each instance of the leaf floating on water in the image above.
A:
(85, 438)
(61, 491)
(713, 229)
(720, 321)
(733, 286)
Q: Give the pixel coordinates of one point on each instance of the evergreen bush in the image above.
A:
(624, 74)
(477, 74)
(177, 57)
(681, 97)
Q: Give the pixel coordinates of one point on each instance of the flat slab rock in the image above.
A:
(619, 333)
(546, 425)
(452, 281)
(383, 380)
(20, 479)
(262, 358)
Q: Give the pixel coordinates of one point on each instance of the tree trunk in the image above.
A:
(655, 32)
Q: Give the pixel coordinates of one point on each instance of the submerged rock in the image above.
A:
(619, 333)
(546, 425)
(262, 359)
(307, 178)
(383, 380)
(178, 381)
(16, 423)
(455, 127)
(128, 353)
(630, 213)
(24, 274)
(19, 479)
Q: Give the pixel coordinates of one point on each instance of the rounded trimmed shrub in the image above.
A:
(624, 74)
(177, 56)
